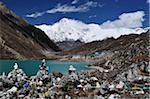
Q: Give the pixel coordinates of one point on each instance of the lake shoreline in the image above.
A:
(31, 66)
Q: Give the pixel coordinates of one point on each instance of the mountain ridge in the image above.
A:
(70, 29)
(21, 38)
(110, 43)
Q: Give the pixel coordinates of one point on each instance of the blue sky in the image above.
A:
(88, 11)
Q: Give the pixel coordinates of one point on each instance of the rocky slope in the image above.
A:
(126, 58)
(133, 59)
(111, 44)
(20, 40)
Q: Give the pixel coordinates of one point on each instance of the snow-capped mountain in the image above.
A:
(70, 29)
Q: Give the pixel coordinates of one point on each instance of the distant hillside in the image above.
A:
(110, 43)
(20, 40)
(68, 45)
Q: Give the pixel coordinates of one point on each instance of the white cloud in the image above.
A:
(74, 1)
(35, 15)
(148, 1)
(65, 9)
(126, 20)
(72, 29)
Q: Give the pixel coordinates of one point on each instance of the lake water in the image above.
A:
(30, 67)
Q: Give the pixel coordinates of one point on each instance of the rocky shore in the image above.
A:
(93, 84)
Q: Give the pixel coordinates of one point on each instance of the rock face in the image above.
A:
(19, 39)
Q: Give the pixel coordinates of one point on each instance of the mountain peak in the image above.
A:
(64, 20)
(70, 29)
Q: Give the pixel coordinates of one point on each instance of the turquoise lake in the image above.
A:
(30, 67)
